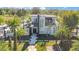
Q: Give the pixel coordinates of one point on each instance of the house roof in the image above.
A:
(1, 26)
(44, 15)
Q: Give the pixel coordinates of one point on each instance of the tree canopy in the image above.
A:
(2, 20)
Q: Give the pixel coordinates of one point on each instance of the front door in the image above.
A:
(34, 30)
(30, 31)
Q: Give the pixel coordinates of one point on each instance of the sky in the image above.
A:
(44, 4)
(57, 8)
(39, 3)
(63, 8)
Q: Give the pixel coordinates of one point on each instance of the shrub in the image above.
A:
(4, 45)
(50, 43)
(65, 45)
(40, 46)
(75, 46)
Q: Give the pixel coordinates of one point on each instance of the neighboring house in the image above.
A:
(7, 31)
(43, 24)
(75, 32)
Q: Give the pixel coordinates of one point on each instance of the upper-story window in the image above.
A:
(35, 22)
(49, 21)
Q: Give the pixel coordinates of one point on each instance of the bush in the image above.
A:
(4, 45)
(75, 46)
(25, 45)
(50, 43)
(40, 46)
(65, 45)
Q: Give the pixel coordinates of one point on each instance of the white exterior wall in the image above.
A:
(33, 18)
(45, 29)
(1, 33)
(42, 28)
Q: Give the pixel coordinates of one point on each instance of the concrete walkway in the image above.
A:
(33, 39)
(31, 48)
(49, 48)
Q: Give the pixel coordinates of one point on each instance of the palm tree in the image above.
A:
(1, 20)
(62, 33)
(69, 19)
(20, 32)
(68, 22)
(26, 18)
(14, 23)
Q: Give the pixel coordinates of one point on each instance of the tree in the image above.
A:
(36, 10)
(1, 11)
(26, 19)
(62, 33)
(21, 12)
(20, 32)
(75, 46)
(14, 23)
(1, 20)
(68, 22)
(71, 20)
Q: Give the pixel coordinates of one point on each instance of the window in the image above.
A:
(49, 21)
(35, 22)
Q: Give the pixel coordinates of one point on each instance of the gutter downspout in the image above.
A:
(38, 23)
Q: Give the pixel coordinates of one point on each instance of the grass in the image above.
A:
(19, 48)
(43, 42)
(4, 46)
(75, 46)
(20, 45)
(40, 46)
(50, 43)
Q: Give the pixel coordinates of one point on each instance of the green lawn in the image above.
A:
(50, 43)
(75, 46)
(4, 46)
(40, 46)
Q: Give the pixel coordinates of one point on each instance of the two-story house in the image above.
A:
(43, 24)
